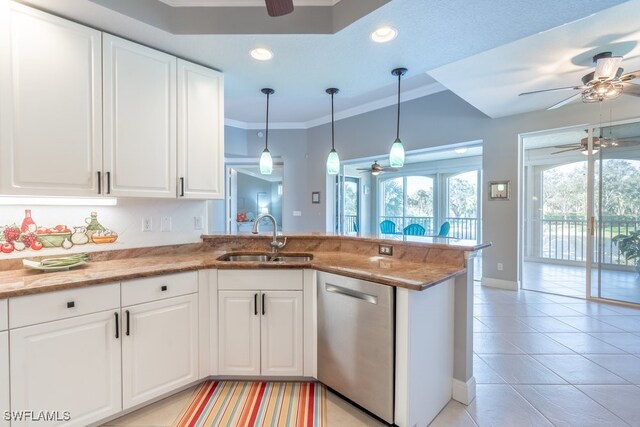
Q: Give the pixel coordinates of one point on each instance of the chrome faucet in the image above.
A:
(275, 245)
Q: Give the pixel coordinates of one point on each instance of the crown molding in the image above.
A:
(409, 95)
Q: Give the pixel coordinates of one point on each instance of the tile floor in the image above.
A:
(540, 360)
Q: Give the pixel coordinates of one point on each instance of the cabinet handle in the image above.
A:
(255, 304)
(117, 325)
(263, 309)
(71, 304)
(181, 187)
(128, 319)
(108, 182)
(163, 288)
(99, 182)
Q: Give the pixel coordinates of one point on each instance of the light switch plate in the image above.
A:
(198, 222)
(297, 213)
(165, 223)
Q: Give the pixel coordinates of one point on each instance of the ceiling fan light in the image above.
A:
(594, 151)
(375, 173)
(266, 162)
(396, 155)
(333, 163)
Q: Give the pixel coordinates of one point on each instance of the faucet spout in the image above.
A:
(275, 244)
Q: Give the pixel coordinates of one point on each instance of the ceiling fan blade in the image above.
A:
(551, 90)
(568, 145)
(630, 76)
(568, 149)
(566, 101)
(363, 169)
(618, 143)
(390, 169)
(279, 7)
(631, 89)
(606, 68)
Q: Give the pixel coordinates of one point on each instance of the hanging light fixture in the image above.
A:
(333, 161)
(396, 155)
(266, 162)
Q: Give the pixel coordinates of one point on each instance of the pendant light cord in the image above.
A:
(398, 121)
(266, 140)
(332, 129)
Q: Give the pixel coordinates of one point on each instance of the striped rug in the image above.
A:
(249, 404)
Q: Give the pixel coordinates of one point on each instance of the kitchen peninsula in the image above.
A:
(432, 281)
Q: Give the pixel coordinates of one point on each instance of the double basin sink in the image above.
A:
(265, 257)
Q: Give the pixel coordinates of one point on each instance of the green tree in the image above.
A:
(393, 197)
(420, 203)
(462, 198)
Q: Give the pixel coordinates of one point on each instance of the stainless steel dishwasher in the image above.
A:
(356, 341)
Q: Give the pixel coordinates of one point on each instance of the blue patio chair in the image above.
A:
(413, 230)
(387, 227)
(444, 229)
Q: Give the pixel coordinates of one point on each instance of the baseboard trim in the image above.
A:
(500, 284)
(464, 392)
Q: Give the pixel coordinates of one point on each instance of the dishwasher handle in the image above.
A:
(371, 299)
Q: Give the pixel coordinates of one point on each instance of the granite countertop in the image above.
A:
(411, 272)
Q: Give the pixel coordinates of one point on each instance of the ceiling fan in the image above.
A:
(605, 82)
(377, 169)
(279, 7)
(598, 142)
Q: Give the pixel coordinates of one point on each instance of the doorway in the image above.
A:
(580, 190)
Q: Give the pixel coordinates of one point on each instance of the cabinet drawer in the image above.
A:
(4, 316)
(260, 279)
(32, 309)
(159, 287)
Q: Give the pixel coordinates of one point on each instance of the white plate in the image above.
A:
(37, 266)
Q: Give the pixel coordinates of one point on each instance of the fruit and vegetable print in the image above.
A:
(31, 236)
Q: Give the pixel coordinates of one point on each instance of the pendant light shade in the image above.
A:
(266, 162)
(396, 155)
(333, 161)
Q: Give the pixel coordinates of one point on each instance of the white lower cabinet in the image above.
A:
(260, 333)
(159, 348)
(69, 368)
(4, 377)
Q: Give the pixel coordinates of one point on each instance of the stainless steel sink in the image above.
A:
(239, 257)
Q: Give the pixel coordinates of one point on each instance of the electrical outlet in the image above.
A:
(500, 266)
(147, 223)
(198, 222)
(385, 250)
(165, 223)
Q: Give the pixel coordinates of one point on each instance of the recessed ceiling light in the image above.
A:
(460, 150)
(261, 53)
(384, 34)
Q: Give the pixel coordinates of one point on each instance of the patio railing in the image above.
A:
(566, 240)
(461, 228)
(351, 224)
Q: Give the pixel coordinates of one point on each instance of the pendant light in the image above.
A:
(396, 155)
(333, 161)
(266, 162)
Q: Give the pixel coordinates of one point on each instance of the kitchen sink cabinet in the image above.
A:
(159, 348)
(51, 103)
(139, 119)
(261, 322)
(4, 377)
(67, 365)
(200, 132)
(260, 333)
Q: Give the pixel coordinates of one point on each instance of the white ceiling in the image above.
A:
(432, 34)
(492, 80)
(242, 3)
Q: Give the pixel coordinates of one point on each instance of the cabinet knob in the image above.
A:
(163, 288)
(71, 304)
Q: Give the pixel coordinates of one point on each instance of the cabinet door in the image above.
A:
(68, 365)
(159, 348)
(139, 120)
(281, 331)
(51, 104)
(200, 132)
(4, 377)
(239, 333)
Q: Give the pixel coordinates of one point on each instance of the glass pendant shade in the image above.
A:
(266, 162)
(333, 163)
(396, 155)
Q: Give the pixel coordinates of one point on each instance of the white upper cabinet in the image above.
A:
(139, 120)
(200, 132)
(50, 104)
